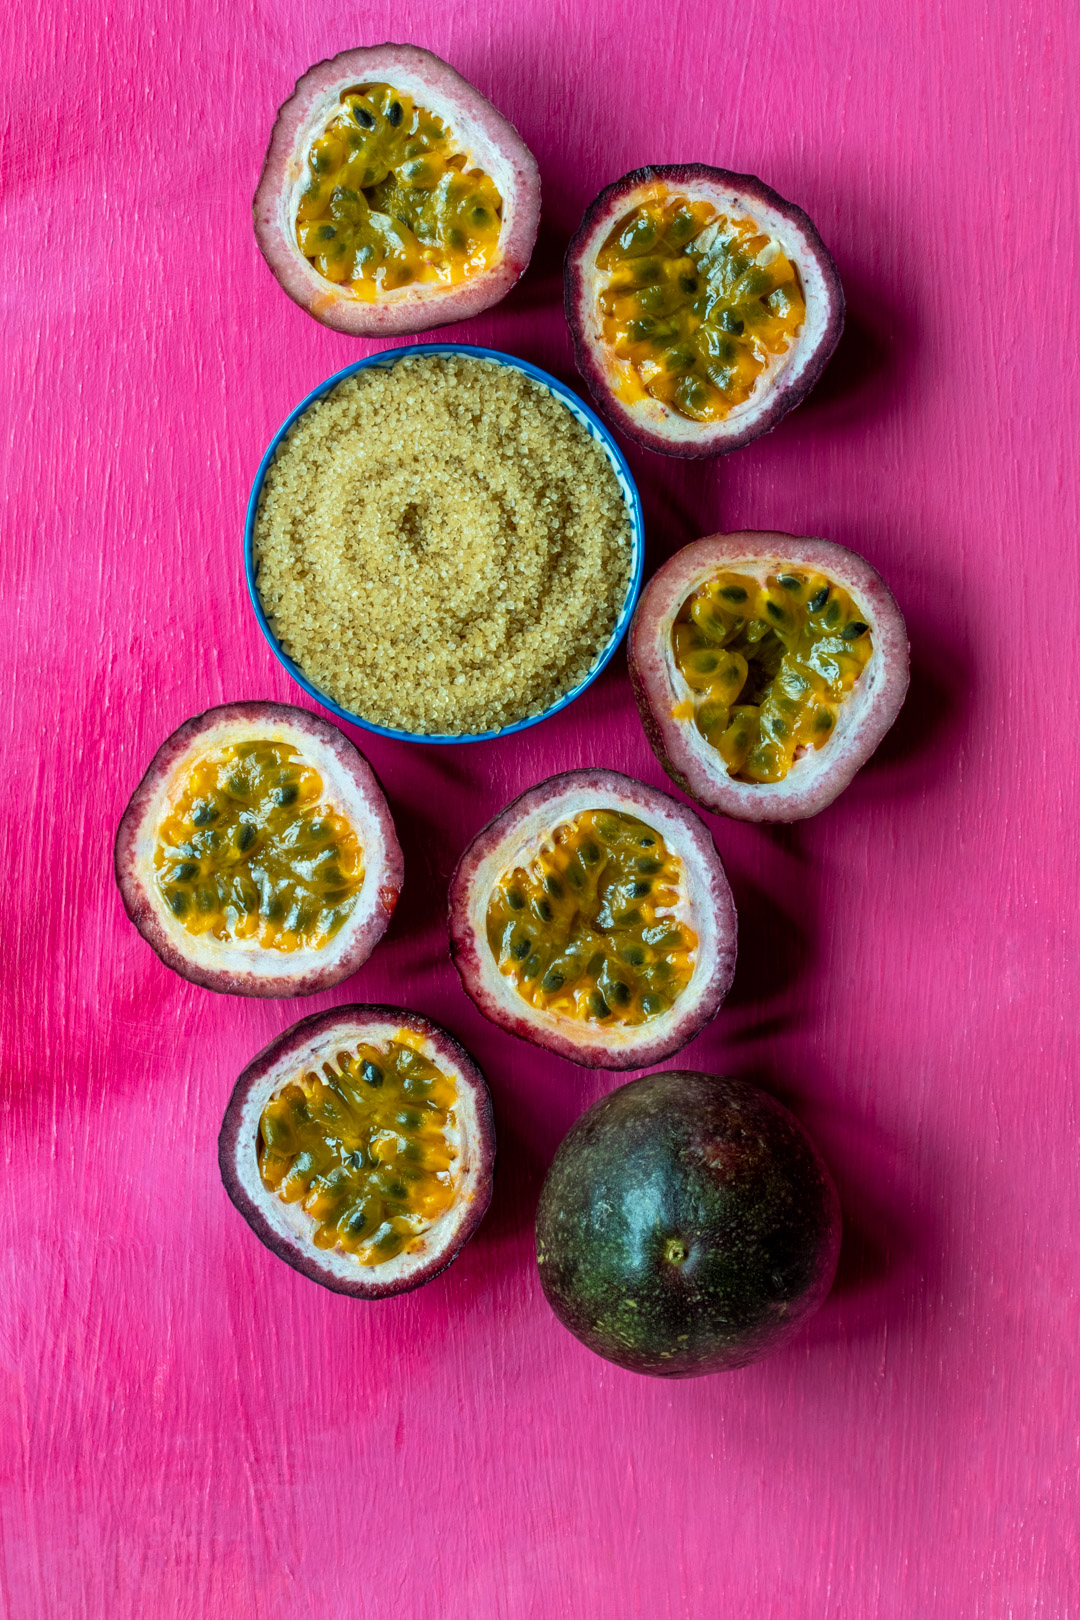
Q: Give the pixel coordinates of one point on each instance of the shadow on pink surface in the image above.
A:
(874, 365)
(934, 720)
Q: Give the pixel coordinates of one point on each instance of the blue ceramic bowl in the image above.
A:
(592, 424)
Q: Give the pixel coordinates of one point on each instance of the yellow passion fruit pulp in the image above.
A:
(249, 850)
(768, 665)
(696, 304)
(366, 1148)
(587, 927)
(389, 200)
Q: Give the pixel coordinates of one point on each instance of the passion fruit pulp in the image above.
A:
(359, 1147)
(258, 856)
(767, 668)
(593, 917)
(249, 848)
(687, 1225)
(703, 306)
(394, 197)
(588, 927)
(390, 202)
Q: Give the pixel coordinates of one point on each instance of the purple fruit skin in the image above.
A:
(722, 1172)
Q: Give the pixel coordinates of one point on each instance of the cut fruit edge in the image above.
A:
(649, 421)
(490, 141)
(285, 1228)
(706, 906)
(818, 776)
(240, 967)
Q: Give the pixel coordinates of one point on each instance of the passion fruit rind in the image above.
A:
(230, 967)
(687, 1225)
(710, 913)
(489, 139)
(650, 422)
(284, 1227)
(819, 775)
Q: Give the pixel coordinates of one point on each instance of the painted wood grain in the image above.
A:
(190, 1429)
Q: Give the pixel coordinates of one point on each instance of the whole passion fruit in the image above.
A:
(593, 917)
(359, 1147)
(257, 855)
(687, 1225)
(767, 668)
(394, 197)
(703, 307)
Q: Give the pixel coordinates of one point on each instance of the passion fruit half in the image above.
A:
(257, 855)
(394, 197)
(702, 305)
(593, 917)
(687, 1225)
(359, 1147)
(767, 668)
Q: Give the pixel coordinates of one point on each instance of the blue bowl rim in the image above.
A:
(578, 407)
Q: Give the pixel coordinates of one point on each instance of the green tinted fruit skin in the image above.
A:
(687, 1225)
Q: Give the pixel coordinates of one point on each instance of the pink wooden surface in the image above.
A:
(190, 1429)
